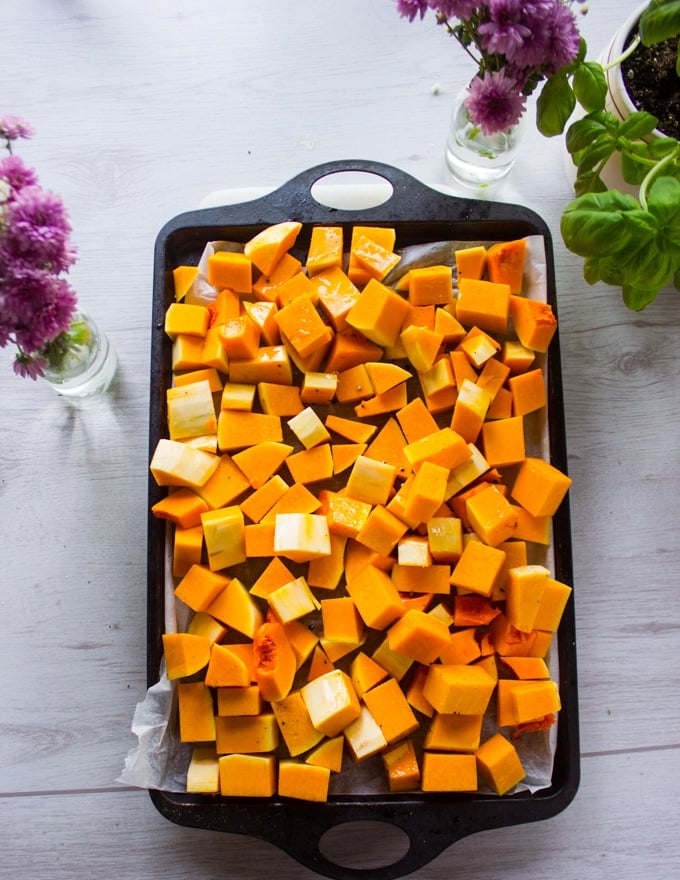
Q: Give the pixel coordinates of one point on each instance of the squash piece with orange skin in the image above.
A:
(267, 247)
(505, 263)
(275, 661)
(534, 322)
(185, 654)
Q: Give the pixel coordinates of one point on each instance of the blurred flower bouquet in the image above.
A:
(37, 305)
(515, 44)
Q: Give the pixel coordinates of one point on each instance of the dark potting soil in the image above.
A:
(653, 84)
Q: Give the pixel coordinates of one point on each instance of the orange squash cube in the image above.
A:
(389, 707)
(378, 313)
(483, 304)
(325, 249)
(540, 487)
(418, 635)
(232, 270)
(444, 771)
(534, 322)
(375, 597)
(499, 764)
(450, 732)
(196, 713)
(478, 568)
(528, 392)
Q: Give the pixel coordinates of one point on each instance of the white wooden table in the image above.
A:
(141, 109)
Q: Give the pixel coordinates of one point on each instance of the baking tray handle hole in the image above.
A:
(364, 845)
(352, 190)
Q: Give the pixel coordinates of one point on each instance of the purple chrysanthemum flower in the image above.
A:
(552, 38)
(29, 366)
(17, 175)
(411, 8)
(505, 31)
(14, 127)
(38, 229)
(460, 9)
(494, 103)
(39, 306)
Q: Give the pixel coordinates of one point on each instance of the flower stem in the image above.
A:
(622, 57)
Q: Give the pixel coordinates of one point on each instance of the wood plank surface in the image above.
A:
(141, 110)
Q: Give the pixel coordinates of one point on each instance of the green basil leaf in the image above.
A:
(594, 224)
(663, 200)
(581, 134)
(633, 169)
(590, 85)
(597, 154)
(659, 148)
(640, 225)
(638, 125)
(555, 105)
(638, 298)
(659, 21)
(589, 182)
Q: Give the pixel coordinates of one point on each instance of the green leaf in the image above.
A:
(590, 85)
(597, 154)
(589, 182)
(638, 125)
(663, 200)
(638, 298)
(582, 133)
(555, 105)
(640, 225)
(594, 224)
(659, 21)
(633, 168)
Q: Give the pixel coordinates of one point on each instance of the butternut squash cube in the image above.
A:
(331, 701)
(478, 568)
(381, 531)
(458, 688)
(303, 781)
(260, 502)
(225, 485)
(524, 590)
(240, 337)
(261, 460)
(451, 732)
(551, 608)
(293, 600)
(236, 430)
(341, 620)
(328, 754)
(185, 654)
(267, 247)
(365, 673)
(226, 669)
(176, 464)
(378, 313)
(389, 707)
(416, 421)
(301, 324)
(235, 607)
(470, 410)
(204, 624)
(376, 260)
(182, 507)
(311, 465)
(246, 700)
(325, 572)
(183, 278)
(308, 428)
(318, 388)
(224, 537)
(200, 587)
(186, 319)
(491, 515)
(325, 249)
(430, 285)
(470, 261)
(191, 410)
(422, 346)
(383, 236)
(503, 441)
(445, 538)
(432, 580)
(401, 766)
(463, 647)
(413, 550)
(443, 771)
(295, 724)
(262, 315)
(528, 392)
(232, 270)
(375, 597)
(534, 699)
(418, 635)
(272, 363)
(187, 549)
(265, 286)
(426, 492)
(483, 304)
(246, 734)
(203, 773)
(534, 322)
(371, 481)
(301, 536)
(247, 775)
(499, 764)
(540, 487)
(527, 668)
(238, 396)
(196, 712)
(363, 736)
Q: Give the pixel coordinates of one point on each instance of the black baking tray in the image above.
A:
(432, 822)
